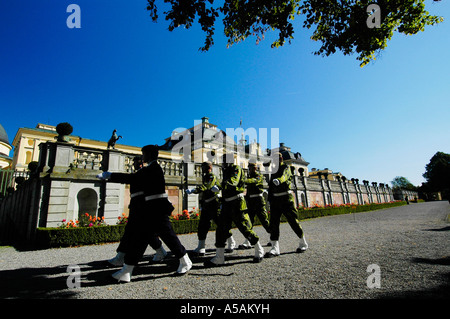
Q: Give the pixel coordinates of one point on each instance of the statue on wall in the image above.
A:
(112, 141)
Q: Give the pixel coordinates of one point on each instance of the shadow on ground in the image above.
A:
(53, 282)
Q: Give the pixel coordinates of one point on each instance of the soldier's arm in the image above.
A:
(254, 180)
(234, 179)
(123, 178)
(285, 176)
(205, 186)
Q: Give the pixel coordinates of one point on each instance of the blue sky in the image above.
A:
(122, 71)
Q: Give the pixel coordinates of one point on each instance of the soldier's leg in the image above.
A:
(203, 227)
(292, 217)
(137, 244)
(261, 212)
(242, 221)
(224, 223)
(124, 244)
(138, 238)
(154, 241)
(274, 227)
(291, 214)
(170, 238)
(251, 215)
(251, 211)
(156, 244)
(165, 231)
(216, 220)
(124, 241)
(274, 220)
(223, 228)
(205, 223)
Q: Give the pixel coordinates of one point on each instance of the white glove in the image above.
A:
(104, 175)
(276, 182)
(215, 189)
(190, 191)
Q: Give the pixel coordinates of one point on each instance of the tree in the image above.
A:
(339, 24)
(401, 182)
(437, 172)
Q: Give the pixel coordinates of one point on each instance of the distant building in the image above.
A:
(325, 173)
(294, 160)
(205, 142)
(5, 149)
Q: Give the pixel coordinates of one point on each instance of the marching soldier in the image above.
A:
(153, 220)
(136, 203)
(282, 202)
(255, 200)
(210, 204)
(233, 210)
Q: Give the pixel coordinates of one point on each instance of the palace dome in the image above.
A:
(3, 135)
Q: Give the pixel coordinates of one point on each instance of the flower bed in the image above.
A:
(92, 230)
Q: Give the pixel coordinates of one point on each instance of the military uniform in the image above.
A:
(210, 203)
(153, 219)
(137, 203)
(282, 202)
(210, 209)
(255, 201)
(234, 210)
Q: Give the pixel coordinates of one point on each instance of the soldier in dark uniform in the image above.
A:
(282, 202)
(255, 200)
(136, 203)
(233, 210)
(153, 220)
(210, 207)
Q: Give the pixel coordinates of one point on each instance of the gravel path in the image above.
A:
(409, 244)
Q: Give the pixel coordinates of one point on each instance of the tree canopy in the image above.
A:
(340, 25)
(437, 172)
(400, 182)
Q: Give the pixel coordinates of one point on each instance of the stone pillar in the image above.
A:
(330, 193)
(358, 192)
(304, 180)
(113, 194)
(190, 178)
(55, 159)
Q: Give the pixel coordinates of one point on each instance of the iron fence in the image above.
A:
(9, 178)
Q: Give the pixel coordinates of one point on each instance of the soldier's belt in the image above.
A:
(156, 196)
(282, 194)
(137, 194)
(229, 199)
(256, 195)
(210, 199)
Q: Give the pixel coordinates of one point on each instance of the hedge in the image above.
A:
(62, 237)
